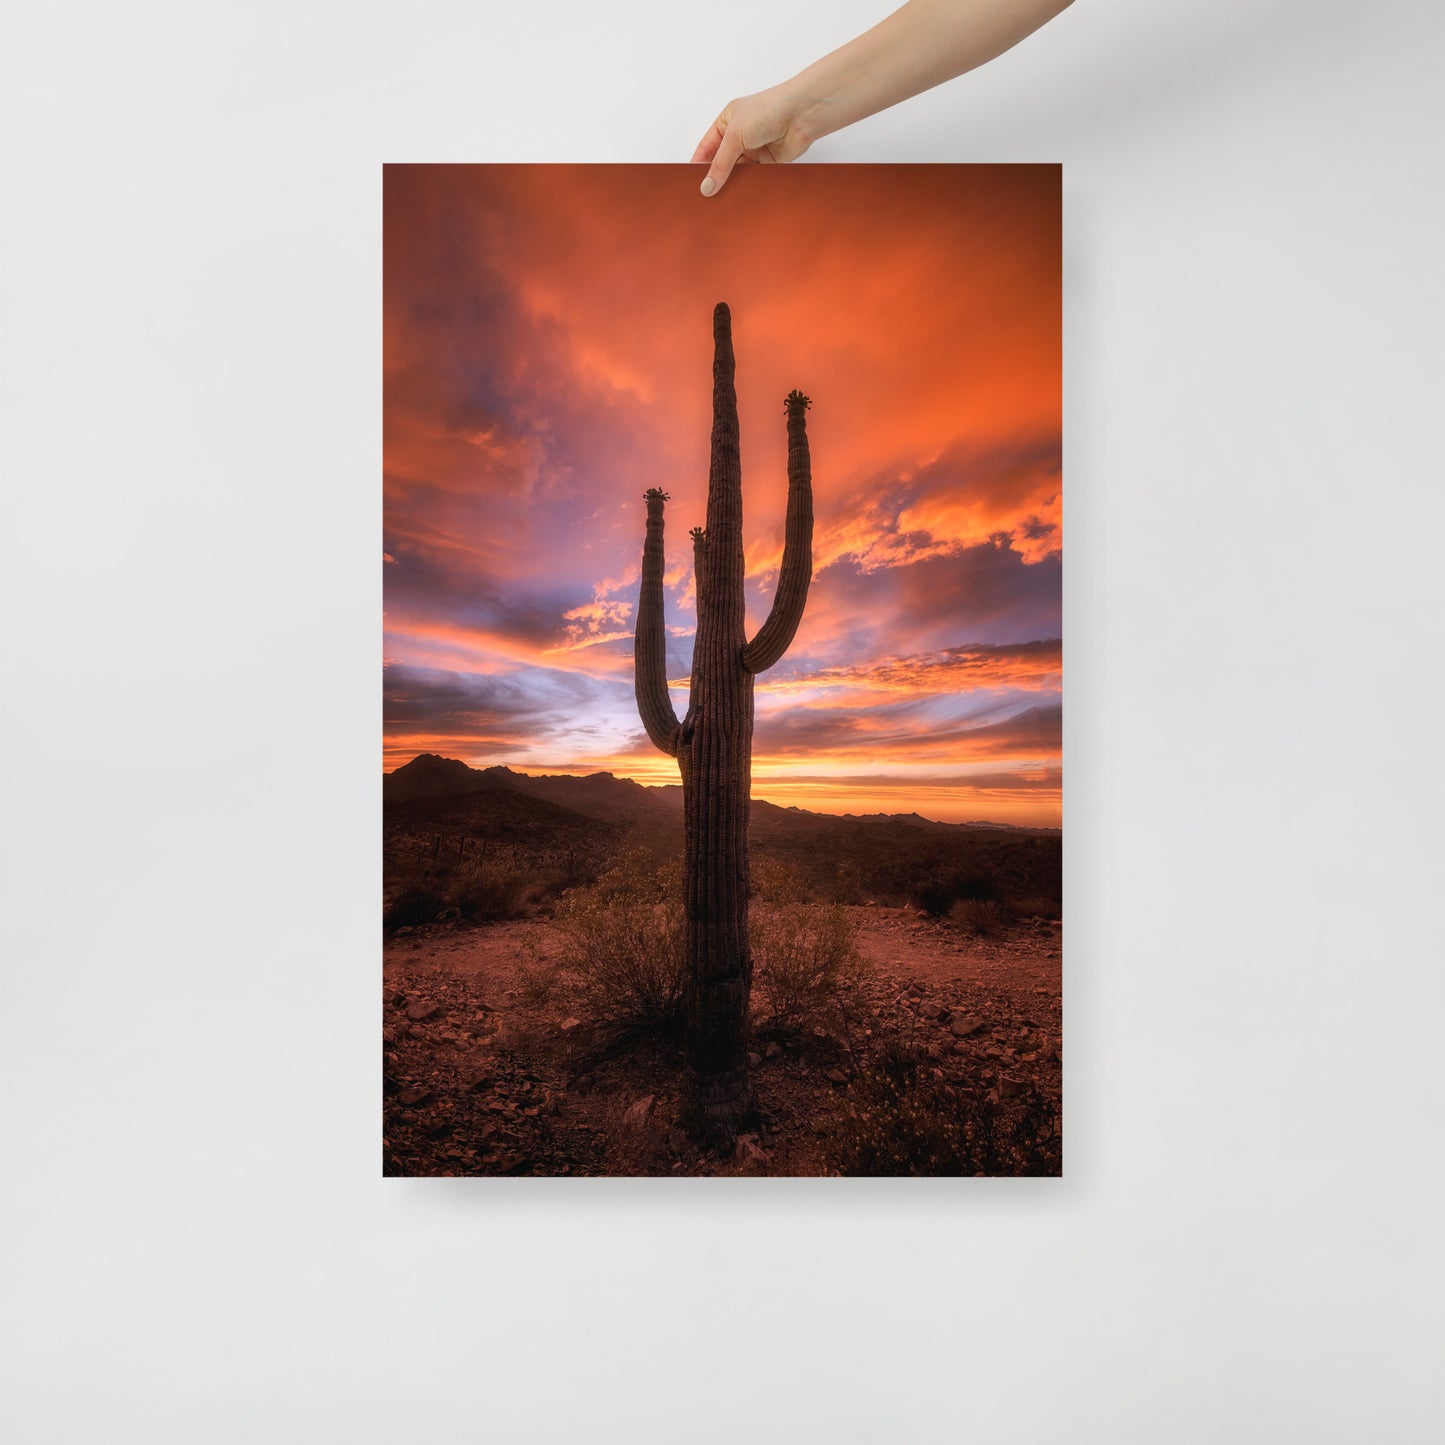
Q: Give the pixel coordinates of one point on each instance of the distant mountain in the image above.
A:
(436, 809)
(611, 799)
(597, 795)
(428, 776)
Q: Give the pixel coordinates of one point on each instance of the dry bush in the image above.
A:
(936, 895)
(774, 881)
(1034, 906)
(624, 940)
(414, 905)
(978, 915)
(479, 890)
(901, 1125)
(805, 961)
(488, 890)
(625, 944)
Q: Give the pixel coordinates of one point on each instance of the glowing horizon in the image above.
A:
(548, 349)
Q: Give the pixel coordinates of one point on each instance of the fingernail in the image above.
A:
(709, 186)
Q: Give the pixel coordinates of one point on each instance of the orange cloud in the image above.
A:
(547, 358)
(1027, 665)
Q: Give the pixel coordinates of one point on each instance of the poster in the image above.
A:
(722, 695)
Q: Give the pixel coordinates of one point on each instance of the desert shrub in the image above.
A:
(895, 1062)
(775, 881)
(624, 940)
(414, 905)
(937, 895)
(978, 915)
(899, 1124)
(1034, 906)
(805, 958)
(488, 889)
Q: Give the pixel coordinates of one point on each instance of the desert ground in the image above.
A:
(905, 1005)
(488, 1071)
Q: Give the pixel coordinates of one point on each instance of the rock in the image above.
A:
(416, 1032)
(754, 1060)
(421, 1009)
(1010, 1087)
(567, 1025)
(749, 1151)
(836, 1076)
(961, 1028)
(934, 1052)
(774, 1050)
(416, 1094)
(637, 1113)
(962, 1046)
(404, 930)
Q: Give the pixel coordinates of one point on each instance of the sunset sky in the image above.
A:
(548, 358)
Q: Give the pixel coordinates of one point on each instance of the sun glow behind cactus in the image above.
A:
(539, 378)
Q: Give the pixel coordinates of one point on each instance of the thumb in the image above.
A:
(729, 149)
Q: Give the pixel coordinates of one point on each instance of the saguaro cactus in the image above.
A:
(713, 744)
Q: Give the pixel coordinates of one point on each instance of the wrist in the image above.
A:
(807, 115)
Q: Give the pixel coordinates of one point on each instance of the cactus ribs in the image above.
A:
(713, 743)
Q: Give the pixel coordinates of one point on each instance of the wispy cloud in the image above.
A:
(548, 355)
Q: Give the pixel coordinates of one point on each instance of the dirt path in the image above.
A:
(896, 941)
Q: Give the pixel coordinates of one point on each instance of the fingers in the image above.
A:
(726, 156)
(707, 146)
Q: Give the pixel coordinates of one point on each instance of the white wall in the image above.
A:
(1245, 1246)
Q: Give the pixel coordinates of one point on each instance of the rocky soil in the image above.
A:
(491, 1068)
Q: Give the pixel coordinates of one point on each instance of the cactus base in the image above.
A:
(721, 1106)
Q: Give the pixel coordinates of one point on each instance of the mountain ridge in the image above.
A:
(606, 797)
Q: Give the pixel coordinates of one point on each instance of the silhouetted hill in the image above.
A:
(490, 811)
(435, 805)
(428, 776)
(597, 795)
(601, 795)
(612, 799)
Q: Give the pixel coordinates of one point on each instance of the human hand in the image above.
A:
(922, 44)
(763, 127)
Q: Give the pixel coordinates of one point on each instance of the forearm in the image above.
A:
(921, 45)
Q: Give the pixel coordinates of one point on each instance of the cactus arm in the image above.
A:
(650, 647)
(699, 563)
(777, 632)
(699, 560)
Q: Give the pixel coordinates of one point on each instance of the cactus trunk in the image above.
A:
(713, 744)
